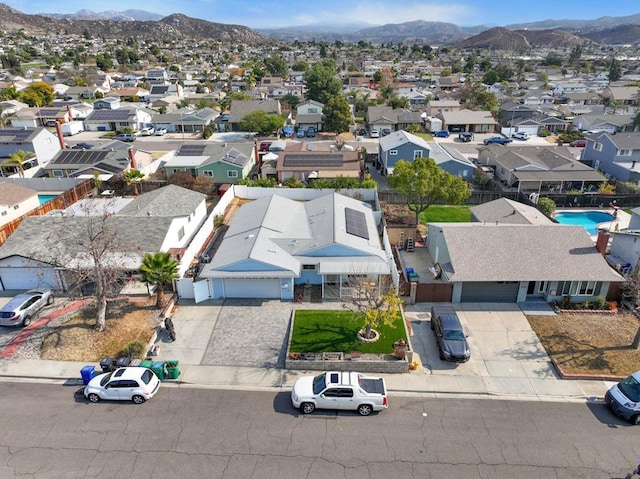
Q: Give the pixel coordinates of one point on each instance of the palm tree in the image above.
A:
(18, 159)
(158, 269)
(133, 177)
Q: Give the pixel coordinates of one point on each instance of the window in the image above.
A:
(597, 146)
(313, 110)
(332, 393)
(309, 267)
(574, 288)
(393, 152)
(417, 154)
(208, 173)
(624, 152)
(232, 173)
(4, 213)
(57, 173)
(181, 233)
(345, 392)
(15, 207)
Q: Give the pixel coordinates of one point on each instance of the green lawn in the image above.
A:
(335, 331)
(446, 214)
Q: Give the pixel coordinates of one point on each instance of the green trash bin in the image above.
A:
(172, 369)
(147, 363)
(158, 368)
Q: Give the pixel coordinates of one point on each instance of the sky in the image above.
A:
(279, 13)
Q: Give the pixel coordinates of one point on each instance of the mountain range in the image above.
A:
(140, 23)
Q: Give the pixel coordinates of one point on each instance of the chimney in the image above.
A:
(132, 157)
(256, 151)
(69, 111)
(63, 145)
(602, 242)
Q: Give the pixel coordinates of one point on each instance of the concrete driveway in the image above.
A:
(501, 340)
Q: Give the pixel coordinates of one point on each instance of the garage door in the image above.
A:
(490, 292)
(22, 278)
(252, 288)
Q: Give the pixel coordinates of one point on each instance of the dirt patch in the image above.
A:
(77, 340)
(590, 343)
(398, 214)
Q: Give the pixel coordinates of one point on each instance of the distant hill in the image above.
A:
(418, 30)
(573, 25)
(173, 27)
(500, 38)
(126, 16)
(620, 35)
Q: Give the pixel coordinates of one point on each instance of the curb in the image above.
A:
(10, 349)
(597, 377)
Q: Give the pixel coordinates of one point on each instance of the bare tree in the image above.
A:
(631, 299)
(93, 253)
(374, 300)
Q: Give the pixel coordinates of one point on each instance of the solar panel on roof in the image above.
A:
(356, 223)
(313, 160)
(115, 115)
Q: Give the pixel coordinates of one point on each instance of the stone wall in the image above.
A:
(391, 366)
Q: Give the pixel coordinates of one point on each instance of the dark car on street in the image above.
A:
(265, 145)
(82, 146)
(465, 136)
(450, 336)
(578, 143)
(498, 140)
(442, 134)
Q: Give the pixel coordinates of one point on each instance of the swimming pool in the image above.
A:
(46, 198)
(589, 220)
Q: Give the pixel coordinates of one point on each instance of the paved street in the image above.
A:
(52, 432)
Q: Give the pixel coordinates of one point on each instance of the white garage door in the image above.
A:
(490, 292)
(22, 278)
(252, 288)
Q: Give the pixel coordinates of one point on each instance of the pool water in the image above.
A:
(589, 220)
(46, 198)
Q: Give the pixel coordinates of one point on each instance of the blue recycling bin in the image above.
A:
(87, 373)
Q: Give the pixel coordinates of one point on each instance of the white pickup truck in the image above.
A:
(340, 390)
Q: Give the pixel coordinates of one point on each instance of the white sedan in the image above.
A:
(124, 384)
(161, 131)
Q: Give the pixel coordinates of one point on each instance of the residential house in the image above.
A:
(330, 241)
(163, 220)
(186, 120)
(15, 201)
(604, 123)
(506, 211)
(107, 103)
(448, 83)
(106, 162)
(225, 163)
(113, 120)
(39, 141)
(518, 263)
(34, 117)
(539, 169)
(616, 155)
(240, 108)
(393, 119)
(414, 95)
(400, 145)
(160, 91)
(131, 94)
(157, 76)
(436, 106)
(452, 161)
(358, 81)
(81, 93)
(304, 165)
(468, 120)
(309, 113)
(563, 87)
(538, 99)
(9, 107)
(622, 95)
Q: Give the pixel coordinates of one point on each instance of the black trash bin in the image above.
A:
(107, 365)
(123, 362)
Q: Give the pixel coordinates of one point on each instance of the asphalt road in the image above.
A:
(50, 431)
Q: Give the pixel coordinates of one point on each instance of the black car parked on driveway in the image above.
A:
(450, 336)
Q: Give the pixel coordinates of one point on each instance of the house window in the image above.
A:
(15, 207)
(393, 152)
(232, 173)
(313, 110)
(417, 154)
(581, 288)
(309, 267)
(597, 146)
(208, 173)
(181, 233)
(624, 152)
(57, 173)
(4, 213)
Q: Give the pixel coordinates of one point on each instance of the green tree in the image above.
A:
(291, 100)
(321, 82)
(374, 307)
(490, 77)
(276, 67)
(423, 183)
(337, 114)
(159, 269)
(261, 122)
(17, 160)
(38, 94)
(547, 206)
(615, 70)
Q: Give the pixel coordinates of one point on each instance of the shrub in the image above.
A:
(544, 133)
(218, 220)
(134, 349)
(547, 206)
(600, 303)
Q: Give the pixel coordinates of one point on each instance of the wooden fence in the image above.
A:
(61, 202)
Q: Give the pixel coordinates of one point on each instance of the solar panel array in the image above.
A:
(112, 115)
(335, 160)
(191, 150)
(16, 135)
(80, 157)
(235, 157)
(356, 223)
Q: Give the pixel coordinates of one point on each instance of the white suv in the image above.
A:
(124, 384)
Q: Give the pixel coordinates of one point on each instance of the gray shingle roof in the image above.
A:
(508, 211)
(12, 194)
(240, 108)
(523, 253)
(625, 141)
(168, 201)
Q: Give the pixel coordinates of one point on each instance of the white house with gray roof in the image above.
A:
(515, 263)
(44, 250)
(326, 241)
(506, 211)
